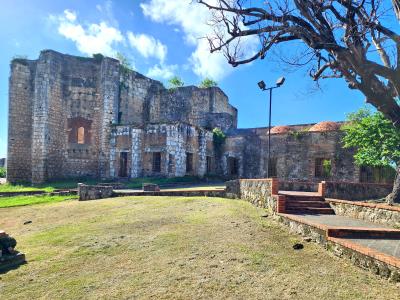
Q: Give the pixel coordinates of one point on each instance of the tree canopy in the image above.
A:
(376, 141)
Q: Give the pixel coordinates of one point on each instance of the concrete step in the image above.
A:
(304, 198)
(364, 233)
(311, 210)
(321, 204)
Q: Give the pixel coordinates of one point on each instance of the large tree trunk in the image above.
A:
(394, 196)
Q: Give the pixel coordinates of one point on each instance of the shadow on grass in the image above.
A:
(12, 263)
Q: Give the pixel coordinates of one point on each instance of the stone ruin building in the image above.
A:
(80, 117)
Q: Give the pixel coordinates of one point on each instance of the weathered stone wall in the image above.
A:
(295, 154)
(20, 120)
(208, 108)
(93, 192)
(259, 192)
(303, 186)
(356, 191)
(172, 141)
(377, 213)
(57, 96)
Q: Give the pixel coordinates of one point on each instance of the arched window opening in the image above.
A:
(81, 135)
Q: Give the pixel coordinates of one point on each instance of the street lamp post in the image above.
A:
(263, 87)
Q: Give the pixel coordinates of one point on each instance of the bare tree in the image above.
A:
(350, 39)
(396, 8)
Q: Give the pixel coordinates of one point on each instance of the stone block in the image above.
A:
(150, 187)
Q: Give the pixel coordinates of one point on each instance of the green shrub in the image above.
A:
(175, 82)
(207, 83)
(218, 137)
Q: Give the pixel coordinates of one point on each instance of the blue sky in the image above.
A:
(163, 38)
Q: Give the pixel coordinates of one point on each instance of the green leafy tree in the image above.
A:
(376, 140)
(207, 83)
(175, 82)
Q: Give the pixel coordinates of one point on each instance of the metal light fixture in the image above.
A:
(280, 81)
(263, 87)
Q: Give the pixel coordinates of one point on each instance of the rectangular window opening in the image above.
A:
(233, 166)
(209, 164)
(189, 162)
(323, 167)
(157, 162)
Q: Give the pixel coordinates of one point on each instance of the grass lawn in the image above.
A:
(172, 248)
(30, 200)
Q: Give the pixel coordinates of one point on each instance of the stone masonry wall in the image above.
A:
(259, 192)
(19, 164)
(93, 192)
(172, 141)
(208, 108)
(356, 191)
(295, 155)
(54, 98)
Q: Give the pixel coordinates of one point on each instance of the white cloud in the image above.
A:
(192, 19)
(147, 46)
(162, 71)
(89, 39)
(70, 15)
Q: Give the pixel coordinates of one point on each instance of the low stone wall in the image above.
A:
(356, 191)
(259, 192)
(383, 265)
(377, 213)
(302, 186)
(92, 192)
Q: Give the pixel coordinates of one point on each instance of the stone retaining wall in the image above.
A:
(259, 192)
(92, 192)
(377, 213)
(356, 190)
(302, 186)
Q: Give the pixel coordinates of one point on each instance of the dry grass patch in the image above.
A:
(172, 248)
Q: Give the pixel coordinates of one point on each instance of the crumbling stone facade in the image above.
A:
(90, 117)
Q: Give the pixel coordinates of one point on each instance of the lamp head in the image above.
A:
(280, 81)
(261, 85)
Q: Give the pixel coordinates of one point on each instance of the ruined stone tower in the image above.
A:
(76, 117)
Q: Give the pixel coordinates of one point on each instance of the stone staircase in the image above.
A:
(305, 203)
